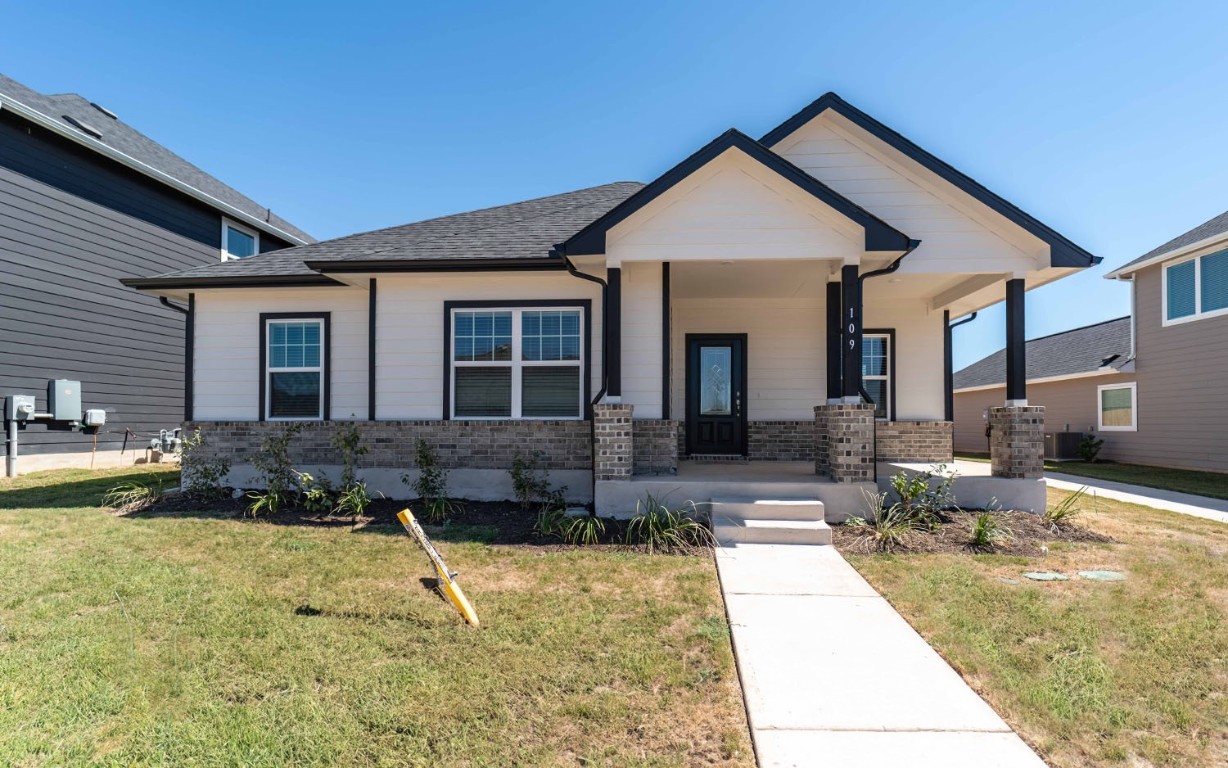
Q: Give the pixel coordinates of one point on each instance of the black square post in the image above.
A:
(850, 324)
(1016, 354)
(614, 332)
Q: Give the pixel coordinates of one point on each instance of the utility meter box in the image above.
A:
(64, 400)
(95, 417)
(18, 407)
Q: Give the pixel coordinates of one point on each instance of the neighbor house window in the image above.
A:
(876, 372)
(1118, 405)
(294, 368)
(517, 363)
(238, 242)
(1196, 288)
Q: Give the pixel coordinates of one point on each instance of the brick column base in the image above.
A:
(613, 446)
(1017, 441)
(844, 442)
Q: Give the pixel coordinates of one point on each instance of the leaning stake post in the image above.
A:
(447, 579)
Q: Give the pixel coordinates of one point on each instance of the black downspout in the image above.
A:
(948, 377)
(605, 325)
(167, 303)
(861, 295)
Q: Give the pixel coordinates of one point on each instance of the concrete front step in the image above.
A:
(735, 530)
(749, 508)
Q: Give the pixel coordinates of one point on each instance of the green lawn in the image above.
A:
(1213, 484)
(1133, 673)
(197, 640)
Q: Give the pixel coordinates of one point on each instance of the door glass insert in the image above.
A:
(715, 381)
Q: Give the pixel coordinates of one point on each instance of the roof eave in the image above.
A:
(34, 116)
(1063, 253)
(437, 265)
(227, 281)
(1159, 258)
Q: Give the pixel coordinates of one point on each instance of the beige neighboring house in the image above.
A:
(1164, 404)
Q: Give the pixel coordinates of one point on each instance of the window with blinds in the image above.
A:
(1196, 288)
(1117, 407)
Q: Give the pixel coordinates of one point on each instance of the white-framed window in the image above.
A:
(238, 241)
(294, 373)
(876, 372)
(1117, 407)
(1195, 288)
(517, 363)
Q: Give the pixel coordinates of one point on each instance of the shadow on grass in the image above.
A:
(307, 610)
(84, 492)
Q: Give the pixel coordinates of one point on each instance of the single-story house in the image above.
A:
(1084, 378)
(766, 317)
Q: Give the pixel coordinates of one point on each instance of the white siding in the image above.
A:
(957, 233)
(734, 208)
(786, 351)
(409, 339)
(227, 348)
(918, 354)
(641, 347)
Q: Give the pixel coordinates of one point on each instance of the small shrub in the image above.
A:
(353, 500)
(275, 471)
(657, 526)
(348, 442)
(202, 476)
(1089, 448)
(920, 502)
(551, 521)
(317, 494)
(1065, 511)
(529, 482)
(885, 528)
(988, 531)
(431, 485)
(583, 530)
(127, 498)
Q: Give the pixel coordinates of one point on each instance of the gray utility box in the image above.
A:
(64, 400)
(18, 407)
(1062, 446)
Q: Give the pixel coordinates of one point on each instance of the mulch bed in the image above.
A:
(501, 523)
(1028, 533)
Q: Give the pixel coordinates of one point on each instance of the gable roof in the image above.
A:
(1208, 230)
(517, 235)
(82, 121)
(1062, 252)
(1077, 351)
(879, 235)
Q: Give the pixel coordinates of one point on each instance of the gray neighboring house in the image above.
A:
(1069, 373)
(1164, 394)
(85, 200)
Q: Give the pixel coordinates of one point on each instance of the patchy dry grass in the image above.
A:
(1120, 673)
(198, 640)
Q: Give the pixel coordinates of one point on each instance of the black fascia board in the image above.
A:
(1062, 251)
(228, 281)
(879, 236)
(439, 265)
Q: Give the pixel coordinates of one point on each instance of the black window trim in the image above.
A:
(326, 374)
(586, 354)
(890, 334)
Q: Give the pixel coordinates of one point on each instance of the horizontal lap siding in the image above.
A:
(1182, 373)
(641, 347)
(409, 343)
(919, 381)
(63, 313)
(227, 345)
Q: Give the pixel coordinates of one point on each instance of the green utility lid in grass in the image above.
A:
(1044, 576)
(1102, 575)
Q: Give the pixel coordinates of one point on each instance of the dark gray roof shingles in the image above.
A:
(1210, 228)
(524, 230)
(1080, 350)
(120, 136)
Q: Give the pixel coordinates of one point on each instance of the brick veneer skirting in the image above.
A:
(919, 441)
(782, 440)
(1017, 441)
(458, 444)
(655, 444)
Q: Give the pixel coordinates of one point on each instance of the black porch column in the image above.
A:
(614, 333)
(850, 323)
(835, 386)
(1016, 358)
(948, 389)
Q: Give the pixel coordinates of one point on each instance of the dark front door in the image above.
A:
(716, 393)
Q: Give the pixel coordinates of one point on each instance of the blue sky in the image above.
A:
(1104, 120)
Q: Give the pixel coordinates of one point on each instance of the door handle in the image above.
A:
(737, 403)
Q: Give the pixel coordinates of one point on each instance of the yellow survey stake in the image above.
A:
(447, 579)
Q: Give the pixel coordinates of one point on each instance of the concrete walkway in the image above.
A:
(833, 676)
(1183, 503)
